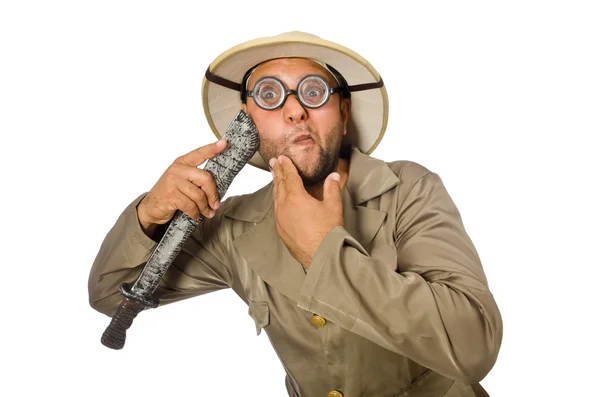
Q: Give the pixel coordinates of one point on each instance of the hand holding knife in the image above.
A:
(243, 142)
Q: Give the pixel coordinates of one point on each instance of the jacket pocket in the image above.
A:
(259, 311)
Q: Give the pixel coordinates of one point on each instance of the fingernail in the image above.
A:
(211, 213)
(280, 159)
(336, 176)
(217, 204)
(272, 162)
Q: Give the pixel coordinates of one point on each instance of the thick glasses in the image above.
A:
(312, 92)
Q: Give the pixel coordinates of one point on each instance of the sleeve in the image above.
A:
(200, 267)
(434, 307)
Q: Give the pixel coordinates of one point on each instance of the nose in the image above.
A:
(293, 111)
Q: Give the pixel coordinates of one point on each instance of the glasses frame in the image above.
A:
(329, 92)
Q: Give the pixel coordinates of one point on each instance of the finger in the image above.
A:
(195, 194)
(278, 180)
(200, 155)
(201, 178)
(290, 173)
(186, 205)
(332, 191)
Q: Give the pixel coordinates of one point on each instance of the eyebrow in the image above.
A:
(337, 84)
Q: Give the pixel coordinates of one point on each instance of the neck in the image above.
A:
(316, 190)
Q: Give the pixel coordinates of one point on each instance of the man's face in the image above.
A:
(316, 157)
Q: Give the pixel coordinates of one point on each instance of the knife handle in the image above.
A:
(114, 335)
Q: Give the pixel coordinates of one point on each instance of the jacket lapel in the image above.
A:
(265, 252)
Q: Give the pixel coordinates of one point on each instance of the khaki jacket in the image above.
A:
(395, 302)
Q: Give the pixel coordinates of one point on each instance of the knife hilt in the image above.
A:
(115, 334)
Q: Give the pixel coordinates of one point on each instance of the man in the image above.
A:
(360, 271)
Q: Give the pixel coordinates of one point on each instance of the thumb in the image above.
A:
(332, 189)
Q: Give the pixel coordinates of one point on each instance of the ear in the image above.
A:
(345, 111)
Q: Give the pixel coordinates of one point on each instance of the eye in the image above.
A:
(313, 91)
(268, 92)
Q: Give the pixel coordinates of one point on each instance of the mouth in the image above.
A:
(302, 138)
(304, 142)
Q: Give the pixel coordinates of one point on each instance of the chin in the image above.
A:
(318, 175)
(311, 180)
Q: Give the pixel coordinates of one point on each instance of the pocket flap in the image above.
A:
(259, 311)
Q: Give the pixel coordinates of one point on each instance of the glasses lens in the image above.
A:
(268, 93)
(314, 91)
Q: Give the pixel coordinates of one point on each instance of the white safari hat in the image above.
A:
(222, 84)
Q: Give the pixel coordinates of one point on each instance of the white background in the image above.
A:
(501, 99)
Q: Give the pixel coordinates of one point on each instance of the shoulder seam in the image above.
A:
(413, 185)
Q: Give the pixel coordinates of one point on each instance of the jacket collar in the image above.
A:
(265, 252)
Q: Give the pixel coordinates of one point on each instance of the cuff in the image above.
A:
(135, 228)
(328, 250)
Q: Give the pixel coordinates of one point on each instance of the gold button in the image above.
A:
(318, 321)
(335, 393)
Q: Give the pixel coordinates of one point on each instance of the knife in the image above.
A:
(242, 143)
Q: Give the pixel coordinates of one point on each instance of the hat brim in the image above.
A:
(369, 111)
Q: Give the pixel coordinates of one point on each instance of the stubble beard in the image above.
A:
(328, 157)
